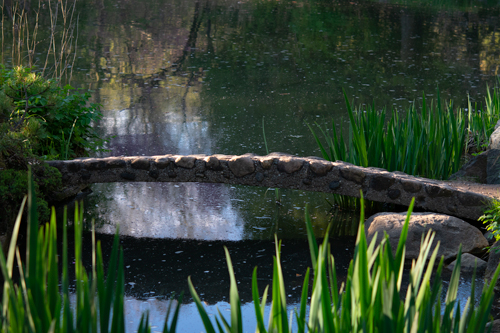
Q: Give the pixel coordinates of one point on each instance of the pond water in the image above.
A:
(202, 76)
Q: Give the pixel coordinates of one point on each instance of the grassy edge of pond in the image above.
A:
(432, 141)
(369, 300)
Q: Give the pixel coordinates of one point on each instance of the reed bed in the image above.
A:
(370, 299)
(431, 141)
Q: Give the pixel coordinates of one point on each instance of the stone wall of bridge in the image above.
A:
(281, 171)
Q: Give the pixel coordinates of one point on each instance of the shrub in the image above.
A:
(63, 115)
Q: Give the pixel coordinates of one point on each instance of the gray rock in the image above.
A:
(493, 167)
(410, 185)
(320, 167)
(475, 169)
(495, 138)
(354, 174)
(186, 162)
(382, 181)
(468, 263)
(450, 232)
(290, 164)
(241, 166)
(140, 163)
(266, 162)
(496, 326)
(493, 262)
(212, 163)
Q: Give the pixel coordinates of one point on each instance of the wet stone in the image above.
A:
(154, 174)
(241, 166)
(353, 174)
(140, 163)
(394, 194)
(334, 185)
(128, 175)
(186, 162)
(162, 163)
(259, 176)
(438, 191)
(493, 166)
(382, 182)
(56, 164)
(290, 164)
(320, 168)
(411, 186)
(113, 163)
(266, 162)
(212, 163)
(471, 199)
(85, 174)
(94, 164)
(74, 166)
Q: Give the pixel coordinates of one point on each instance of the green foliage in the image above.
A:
(39, 301)
(491, 218)
(482, 120)
(62, 116)
(370, 299)
(428, 142)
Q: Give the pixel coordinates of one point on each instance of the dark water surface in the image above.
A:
(199, 77)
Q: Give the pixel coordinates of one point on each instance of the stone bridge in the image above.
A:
(285, 171)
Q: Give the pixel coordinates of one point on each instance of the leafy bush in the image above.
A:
(491, 218)
(15, 157)
(63, 116)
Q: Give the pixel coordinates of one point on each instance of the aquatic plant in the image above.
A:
(429, 141)
(369, 300)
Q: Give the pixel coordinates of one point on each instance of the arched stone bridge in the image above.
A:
(284, 171)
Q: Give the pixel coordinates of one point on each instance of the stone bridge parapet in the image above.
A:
(281, 171)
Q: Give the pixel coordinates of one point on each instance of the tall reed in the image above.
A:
(24, 29)
(40, 300)
(370, 299)
(429, 141)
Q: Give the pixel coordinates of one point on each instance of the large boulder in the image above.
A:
(474, 170)
(495, 137)
(450, 232)
(493, 262)
(468, 263)
(493, 167)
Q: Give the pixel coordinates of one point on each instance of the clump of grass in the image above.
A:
(40, 300)
(369, 300)
(429, 141)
